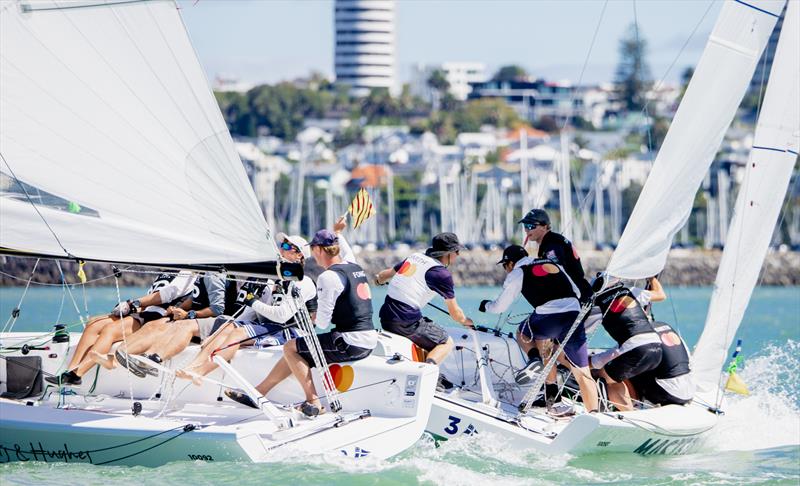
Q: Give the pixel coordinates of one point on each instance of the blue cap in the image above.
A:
(324, 237)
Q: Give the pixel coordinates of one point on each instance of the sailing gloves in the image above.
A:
(125, 308)
(249, 299)
(482, 307)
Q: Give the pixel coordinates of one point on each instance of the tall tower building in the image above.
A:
(365, 38)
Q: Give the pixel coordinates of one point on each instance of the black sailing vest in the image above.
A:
(159, 283)
(544, 281)
(674, 357)
(200, 298)
(353, 308)
(251, 286)
(623, 316)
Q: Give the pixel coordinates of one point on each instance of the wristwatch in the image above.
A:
(191, 314)
(136, 305)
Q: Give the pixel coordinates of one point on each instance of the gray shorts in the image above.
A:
(209, 325)
(424, 333)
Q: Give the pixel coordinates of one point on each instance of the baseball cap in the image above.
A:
(324, 237)
(535, 216)
(513, 254)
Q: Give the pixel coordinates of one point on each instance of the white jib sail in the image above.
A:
(706, 111)
(758, 205)
(104, 105)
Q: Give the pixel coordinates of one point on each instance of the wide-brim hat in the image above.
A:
(442, 244)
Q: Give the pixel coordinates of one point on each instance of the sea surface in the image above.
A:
(757, 441)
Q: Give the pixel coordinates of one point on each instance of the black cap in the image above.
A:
(442, 244)
(513, 254)
(535, 216)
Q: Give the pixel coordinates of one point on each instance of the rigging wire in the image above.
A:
(15, 313)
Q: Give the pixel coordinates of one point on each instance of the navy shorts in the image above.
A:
(424, 333)
(542, 327)
(634, 362)
(266, 334)
(334, 347)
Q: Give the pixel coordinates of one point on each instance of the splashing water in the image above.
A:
(770, 415)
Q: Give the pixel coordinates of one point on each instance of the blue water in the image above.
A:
(758, 440)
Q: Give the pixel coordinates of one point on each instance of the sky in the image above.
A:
(261, 41)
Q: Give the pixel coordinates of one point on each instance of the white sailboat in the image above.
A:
(483, 366)
(113, 149)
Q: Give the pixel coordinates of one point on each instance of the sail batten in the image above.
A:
(109, 108)
(758, 205)
(707, 109)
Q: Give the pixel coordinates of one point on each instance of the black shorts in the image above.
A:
(148, 316)
(638, 360)
(648, 388)
(334, 347)
(424, 333)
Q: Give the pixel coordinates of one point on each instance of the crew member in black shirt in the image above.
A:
(555, 247)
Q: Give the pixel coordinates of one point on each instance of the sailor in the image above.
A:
(638, 349)
(413, 282)
(166, 337)
(344, 301)
(555, 247)
(268, 315)
(554, 298)
(127, 317)
(671, 382)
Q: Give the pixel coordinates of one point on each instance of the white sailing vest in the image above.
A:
(408, 284)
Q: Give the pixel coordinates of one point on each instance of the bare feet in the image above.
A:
(185, 374)
(105, 360)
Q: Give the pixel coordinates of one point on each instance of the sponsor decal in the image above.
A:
(670, 339)
(544, 269)
(622, 303)
(666, 446)
(343, 376)
(407, 269)
(357, 452)
(18, 452)
(363, 292)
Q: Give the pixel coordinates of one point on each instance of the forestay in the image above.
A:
(706, 111)
(772, 160)
(105, 106)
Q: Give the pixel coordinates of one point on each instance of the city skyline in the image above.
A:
(269, 41)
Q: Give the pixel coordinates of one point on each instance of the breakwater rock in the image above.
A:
(475, 267)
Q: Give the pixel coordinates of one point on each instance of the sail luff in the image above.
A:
(772, 160)
(707, 109)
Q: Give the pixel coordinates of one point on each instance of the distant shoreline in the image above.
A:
(473, 268)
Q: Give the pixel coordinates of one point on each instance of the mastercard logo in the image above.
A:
(670, 339)
(575, 253)
(544, 269)
(363, 292)
(407, 269)
(622, 303)
(342, 376)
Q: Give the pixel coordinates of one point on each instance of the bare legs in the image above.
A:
(110, 334)
(202, 363)
(618, 393)
(440, 352)
(291, 364)
(90, 334)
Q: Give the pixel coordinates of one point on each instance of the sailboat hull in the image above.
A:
(668, 430)
(386, 406)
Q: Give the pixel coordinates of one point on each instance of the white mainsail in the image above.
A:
(772, 159)
(105, 105)
(706, 111)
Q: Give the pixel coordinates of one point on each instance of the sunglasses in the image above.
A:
(286, 246)
(529, 226)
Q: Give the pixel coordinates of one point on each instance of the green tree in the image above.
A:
(438, 82)
(632, 76)
(511, 72)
